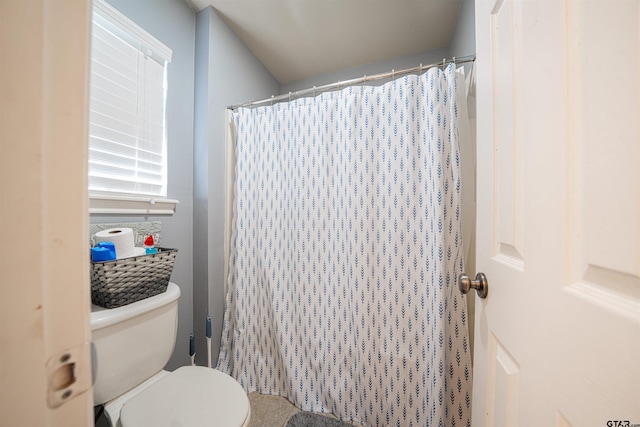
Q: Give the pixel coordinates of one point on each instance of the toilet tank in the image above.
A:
(133, 342)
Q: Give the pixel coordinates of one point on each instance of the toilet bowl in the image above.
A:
(133, 343)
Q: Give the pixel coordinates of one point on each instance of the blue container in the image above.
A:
(104, 251)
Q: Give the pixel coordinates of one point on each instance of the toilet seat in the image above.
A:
(190, 396)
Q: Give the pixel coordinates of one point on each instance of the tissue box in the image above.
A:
(124, 281)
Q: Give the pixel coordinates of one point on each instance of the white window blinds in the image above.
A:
(127, 139)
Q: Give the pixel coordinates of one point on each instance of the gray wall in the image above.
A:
(226, 73)
(463, 43)
(207, 56)
(173, 23)
(232, 71)
(403, 62)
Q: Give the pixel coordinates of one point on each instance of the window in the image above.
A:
(127, 138)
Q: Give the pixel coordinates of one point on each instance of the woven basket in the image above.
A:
(121, 282)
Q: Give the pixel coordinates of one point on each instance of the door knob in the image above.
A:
(481, 284)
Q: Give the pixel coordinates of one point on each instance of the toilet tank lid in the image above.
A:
(103, 317)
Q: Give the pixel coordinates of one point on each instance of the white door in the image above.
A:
(557, 340)
(45, 363)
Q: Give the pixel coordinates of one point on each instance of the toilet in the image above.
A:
(132, 345)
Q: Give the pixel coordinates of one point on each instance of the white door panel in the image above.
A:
(558, 225)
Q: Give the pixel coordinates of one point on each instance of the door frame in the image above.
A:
(45, 304)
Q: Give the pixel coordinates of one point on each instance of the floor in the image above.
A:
(273, 411)
(266, 411)
(270, 411)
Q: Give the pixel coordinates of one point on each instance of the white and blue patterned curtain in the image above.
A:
(346, 246)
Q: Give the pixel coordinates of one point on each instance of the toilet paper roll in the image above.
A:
(122, 238)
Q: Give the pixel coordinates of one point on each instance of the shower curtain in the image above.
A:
(345, 248)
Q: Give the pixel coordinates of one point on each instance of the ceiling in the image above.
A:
(298, 39)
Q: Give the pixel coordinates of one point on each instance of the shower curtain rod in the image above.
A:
(340, 84)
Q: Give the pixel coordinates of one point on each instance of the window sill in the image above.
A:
(123, 205)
